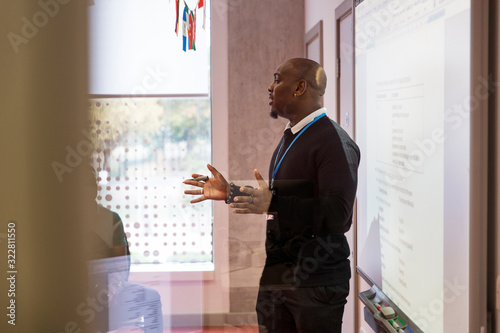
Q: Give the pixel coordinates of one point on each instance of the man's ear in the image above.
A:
(301, 87)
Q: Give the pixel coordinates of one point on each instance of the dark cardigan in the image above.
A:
(312, 208)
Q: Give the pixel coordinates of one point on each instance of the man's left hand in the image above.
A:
(258, 200)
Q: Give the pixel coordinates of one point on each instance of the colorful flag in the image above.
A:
(177, 4)
(192, 21)
(203, 3)
(184, 28)
(188, 29)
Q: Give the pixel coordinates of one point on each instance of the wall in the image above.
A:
(494, 175)
(261, 35)
(316, 10)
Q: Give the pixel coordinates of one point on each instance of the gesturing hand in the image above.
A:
(215, 188)
(259, 200)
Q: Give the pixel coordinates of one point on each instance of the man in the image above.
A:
(309, 204)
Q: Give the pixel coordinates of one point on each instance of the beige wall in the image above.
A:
(316, 10)
(261, 35)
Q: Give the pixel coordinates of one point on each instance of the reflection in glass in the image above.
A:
(144, 149)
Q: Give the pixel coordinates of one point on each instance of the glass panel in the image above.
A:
(135, 50)
(144, 149)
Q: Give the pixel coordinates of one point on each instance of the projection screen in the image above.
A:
(421, 91)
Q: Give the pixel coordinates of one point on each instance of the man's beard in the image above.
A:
(273, 114)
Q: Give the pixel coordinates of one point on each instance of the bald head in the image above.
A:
(297, 89)
(311, 72)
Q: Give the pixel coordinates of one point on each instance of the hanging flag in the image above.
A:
(203, 3)
(184, 28)
(188, 28)
(177, 4)
(193, 29)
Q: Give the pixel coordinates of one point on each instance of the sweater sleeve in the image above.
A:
(337, 179)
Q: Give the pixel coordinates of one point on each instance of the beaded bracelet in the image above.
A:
(234, 192)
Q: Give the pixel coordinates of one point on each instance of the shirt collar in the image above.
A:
(301, 124)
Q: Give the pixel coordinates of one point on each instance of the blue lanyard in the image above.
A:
(276, 167)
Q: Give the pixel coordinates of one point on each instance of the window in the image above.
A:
(150, 110)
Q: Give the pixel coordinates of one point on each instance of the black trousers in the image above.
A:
(302, 310)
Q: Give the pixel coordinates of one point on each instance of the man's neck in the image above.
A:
(301, 115)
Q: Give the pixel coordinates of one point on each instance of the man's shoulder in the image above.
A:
(330, 127)
(331, 133)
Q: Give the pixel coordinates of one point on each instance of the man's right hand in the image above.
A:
(216, 188)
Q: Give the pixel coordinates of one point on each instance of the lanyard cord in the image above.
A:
(276, 167)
